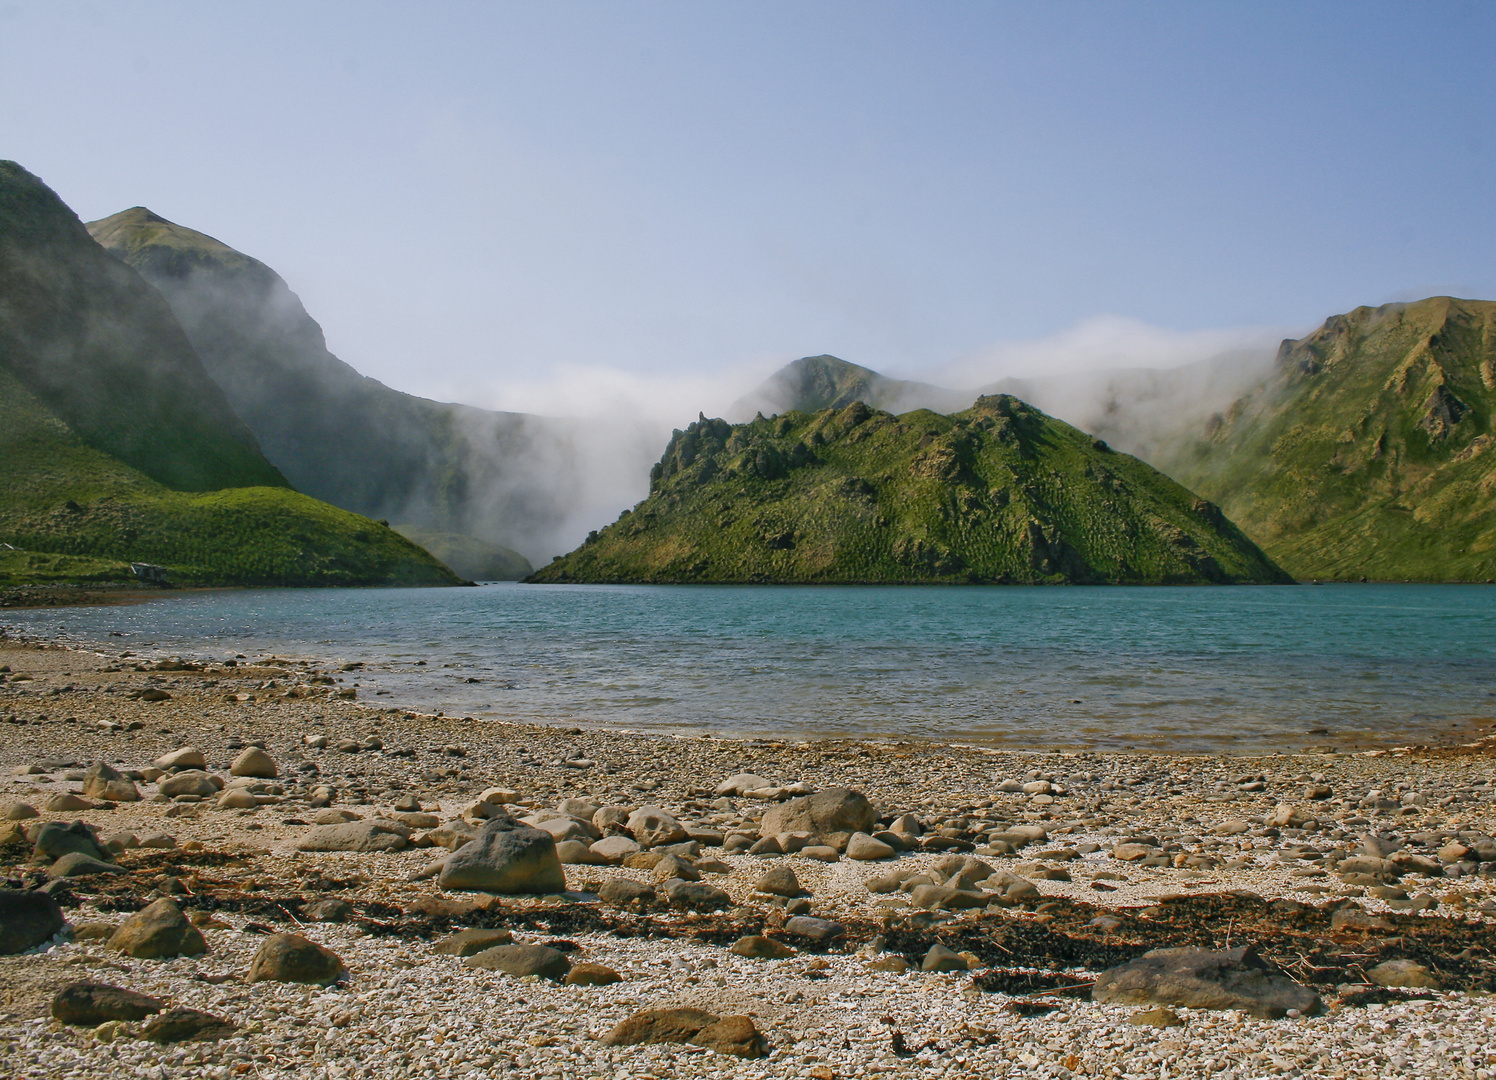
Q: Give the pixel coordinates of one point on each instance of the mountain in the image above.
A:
(827, 382)
(117, 447)
(998, 493)
(100, 348)
(471, 558)
(1368, 450)
(503, 478)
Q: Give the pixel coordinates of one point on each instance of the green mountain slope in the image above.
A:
(100, 349)
(502, 478)
(1369, 450)
(998, 493)
(60, 496)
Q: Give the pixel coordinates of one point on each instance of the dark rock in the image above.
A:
(292, 958)
(522, 960)
(659, 1026)
(103, 781)
(507, 857)
(54, 840)
(329, 909)
(471, 942)
(186, 1025)
(158, 932)
(90, 1004)
(1203, 979)
(26, 920)
(779, 881)
(939, 958)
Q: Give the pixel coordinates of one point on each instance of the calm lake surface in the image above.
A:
(1187, 669)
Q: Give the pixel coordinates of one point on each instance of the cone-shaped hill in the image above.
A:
(999, 493)
(1370, 450)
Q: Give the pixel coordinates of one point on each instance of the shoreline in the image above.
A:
(1167, 844)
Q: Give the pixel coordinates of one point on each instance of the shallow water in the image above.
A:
(1184, 669)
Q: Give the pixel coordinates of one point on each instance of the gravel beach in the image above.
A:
(946, 910)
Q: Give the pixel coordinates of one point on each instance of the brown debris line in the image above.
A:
(1296, 937)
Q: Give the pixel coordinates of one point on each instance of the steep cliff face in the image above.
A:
(1369, 450)
(101, 349)
(998, 493)
(505, 478)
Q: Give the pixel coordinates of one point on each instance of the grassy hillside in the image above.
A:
(79, 515)
(503, 478)
(828, 382)
(1369, 451)
(999, 493)
(101, 350)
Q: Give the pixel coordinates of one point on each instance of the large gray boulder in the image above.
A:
(653, 827)
(26, 920)
(1202, 979)
(104, 781)
(832, 815)
(356, 836)
(54, 840)
(507, 857)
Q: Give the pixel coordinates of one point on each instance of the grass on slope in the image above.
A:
(1369, 453)
(999, 493)
(59, 496)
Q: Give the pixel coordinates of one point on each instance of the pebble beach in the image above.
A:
(962, 925)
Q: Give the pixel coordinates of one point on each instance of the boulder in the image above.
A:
(186, 1025)
(673, 866)
(329, 909)
(820, 931)
(779, 881)
(452, 835)
(1409, 974)
(520, 960)
(54, 840)
(939, 958)
(65, 802)
(1204, 979)
(254, 762)
(866, 848)
(158, 932)
(471, 942)
(625, 892)
(188, 757)
(733, 1035)
(236, 798)
(562, 828)
(758, 947)
(653, 827)
(592, 975)
(103, 781)
(576, 853)
(832, 815)
(507, 857)
(356, 836)
(292, 958)
(612, 850)
(27, 919)
(584, 809)
(189, 782)
(76, 864)
(738, 783)
(17, 811)
(89, 1004)
(695, 895)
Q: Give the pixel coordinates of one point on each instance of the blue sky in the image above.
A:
(477, 197)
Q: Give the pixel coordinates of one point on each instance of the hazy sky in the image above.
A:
(477, 196)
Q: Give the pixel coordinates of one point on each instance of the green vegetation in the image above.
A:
(1369, 453)
(474, 559)
(79, 515)
(998, 493)
(336, 434)
(101, 350)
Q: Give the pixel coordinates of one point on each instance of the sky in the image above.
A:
(566, 205)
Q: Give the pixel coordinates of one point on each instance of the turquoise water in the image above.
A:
(1235, 669)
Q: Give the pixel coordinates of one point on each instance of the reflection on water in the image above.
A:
(1244, 669)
